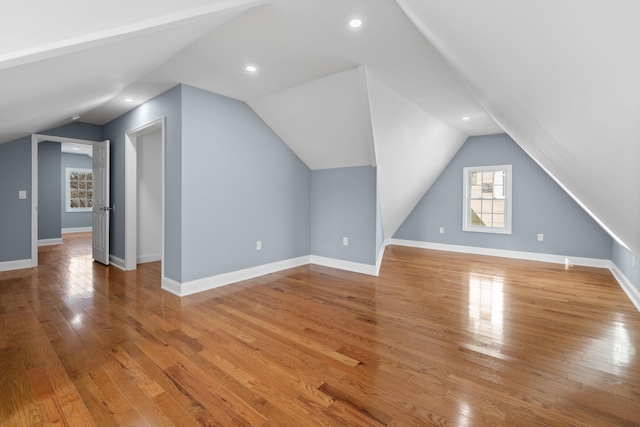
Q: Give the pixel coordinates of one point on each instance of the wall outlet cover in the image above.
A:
(345, 241)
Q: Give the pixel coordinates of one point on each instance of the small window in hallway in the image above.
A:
(79, 190)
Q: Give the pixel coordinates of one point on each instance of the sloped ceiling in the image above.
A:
(55, 63)
(412, 148)
(295, 42)
(325, 122)
(562, 79)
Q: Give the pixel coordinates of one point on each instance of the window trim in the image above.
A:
(68, 208)
(466, 176)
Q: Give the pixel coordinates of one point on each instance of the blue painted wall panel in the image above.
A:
(166, 105)
(379, 224)
(539, 206)
(240, 183)
(49, 189)
(624, 260)
(73, 219)
(343, 204)
(15, 214)
(77, 130)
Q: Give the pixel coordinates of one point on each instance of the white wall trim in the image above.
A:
(354, 267)
(632, 292)
(116, 262)
(381, 256)
(50, 242)
(207, 283)
(172, 286)
(16, 265)
(131, 188)
(530, 256)
(149, 258)
(77, 230)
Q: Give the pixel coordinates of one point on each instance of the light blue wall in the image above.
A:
(343, 204)
(49, 189)
(539, 206)
(624, 260)
(240, 184)
(166, 105)
(72, 219)
(77, 130)
(15, 214)
(379, 224)
(15, 174)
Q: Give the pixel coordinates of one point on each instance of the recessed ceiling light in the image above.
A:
(251, 68)
(128, 99)
(466, 118)
(355, 23)
(76, 149)
(75, 117)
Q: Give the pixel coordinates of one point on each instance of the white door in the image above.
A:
(101, 206)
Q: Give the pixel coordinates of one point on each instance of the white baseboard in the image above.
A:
(632, 292)
(172, 286)
(116, 262)
(16, 265)
(77, 230)
(381, 255)
(49, 242)
(148, 258)
(355, 267)
(530, 256)
(207, 283)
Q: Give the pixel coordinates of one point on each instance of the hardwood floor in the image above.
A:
(437, 339)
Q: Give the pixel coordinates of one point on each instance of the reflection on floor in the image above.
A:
(438, 339)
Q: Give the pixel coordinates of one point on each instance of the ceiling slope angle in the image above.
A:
(562, 80)
(325, 121)
(412, 148)
(293, 42)
(40, 28)
(44, 93)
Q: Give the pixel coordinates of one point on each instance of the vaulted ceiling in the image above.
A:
(561, 79)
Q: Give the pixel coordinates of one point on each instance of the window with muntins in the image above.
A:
(487, 199)
(79, 190)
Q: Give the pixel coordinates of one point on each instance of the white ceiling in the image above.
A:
(325, 121)
(55, 64)
(561, 78)
(72, 148)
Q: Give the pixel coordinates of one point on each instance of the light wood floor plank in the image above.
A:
(438, 339)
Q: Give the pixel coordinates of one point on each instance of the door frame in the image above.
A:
(35, 140)
(131, 190)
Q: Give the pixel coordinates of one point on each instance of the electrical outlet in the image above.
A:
(540, 237)
(22, 195)
(258, 245)
(345, 241)
(441, 230)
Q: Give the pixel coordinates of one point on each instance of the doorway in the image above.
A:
(144, 194)
(36, 139)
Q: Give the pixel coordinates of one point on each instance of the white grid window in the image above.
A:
(487, 199)
(79, 190)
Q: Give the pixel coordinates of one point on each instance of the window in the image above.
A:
(487, 199)
(79, 189)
